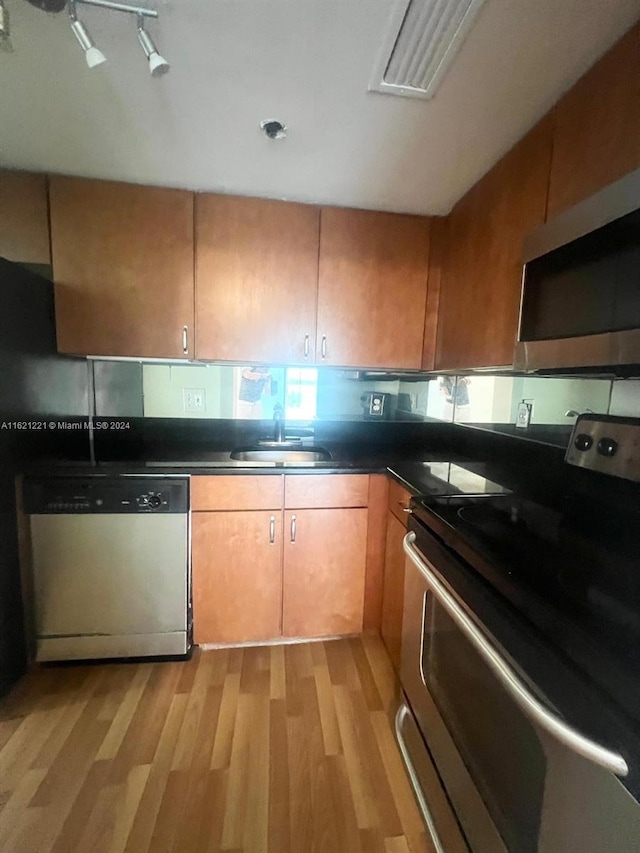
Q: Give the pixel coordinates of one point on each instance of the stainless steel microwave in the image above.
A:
(580, 305)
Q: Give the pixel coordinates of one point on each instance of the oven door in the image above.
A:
(503, 754)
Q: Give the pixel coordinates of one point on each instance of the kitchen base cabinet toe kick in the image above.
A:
(279, 558)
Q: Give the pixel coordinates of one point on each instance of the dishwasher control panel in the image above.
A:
(105, 495)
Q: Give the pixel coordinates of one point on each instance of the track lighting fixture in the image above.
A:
(92, 54)
(6, 45)
(157, 64)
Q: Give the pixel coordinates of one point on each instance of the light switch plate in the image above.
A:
(194, 399)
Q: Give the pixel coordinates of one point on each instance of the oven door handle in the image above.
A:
(520, 693)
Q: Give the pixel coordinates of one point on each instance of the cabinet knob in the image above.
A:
(185, 340)
(293, 528)
(306, 346)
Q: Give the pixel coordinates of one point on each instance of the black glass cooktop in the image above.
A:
(450, 478)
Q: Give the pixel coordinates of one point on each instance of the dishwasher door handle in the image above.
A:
(519, 692)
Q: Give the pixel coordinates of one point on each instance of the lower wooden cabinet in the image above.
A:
(393, 590)
(393, 595)
(237, 576)
(325, 555)
(295, 569)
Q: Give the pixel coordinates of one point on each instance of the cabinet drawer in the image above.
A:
(312, 491)
(399, 498)
(236, 492)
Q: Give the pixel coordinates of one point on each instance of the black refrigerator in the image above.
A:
(37, 386)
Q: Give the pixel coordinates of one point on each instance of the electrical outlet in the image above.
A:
(523, 418)
(194, 399)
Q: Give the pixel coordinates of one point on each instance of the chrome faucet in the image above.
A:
(279, 423)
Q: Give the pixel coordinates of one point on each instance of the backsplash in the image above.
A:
(251, 392)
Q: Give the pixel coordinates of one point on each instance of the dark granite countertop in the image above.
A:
(411, 472)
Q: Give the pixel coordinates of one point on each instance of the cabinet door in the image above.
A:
(597, 133)
(324, 572)
(123, 268)
(24, 218)
(482, 273)
(393, 595)
(236, 576)
(372, 288)
(256, 279)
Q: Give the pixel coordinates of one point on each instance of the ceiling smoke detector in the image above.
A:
(273, 128)
(423, 39)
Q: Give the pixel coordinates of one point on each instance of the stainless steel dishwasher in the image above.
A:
(109, 567)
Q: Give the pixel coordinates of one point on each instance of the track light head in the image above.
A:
(158, 65)
(92, 54)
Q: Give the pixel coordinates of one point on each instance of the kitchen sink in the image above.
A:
(299, 455)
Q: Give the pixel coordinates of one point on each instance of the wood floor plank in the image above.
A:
(233, 828)
(221, 755)
(283, 749)
(82, 808)
(121, 721)
(146, 816)
(277, 673)
(365, 675)
(279, 779)
(196, 803)
(326, 705)
(16, 805)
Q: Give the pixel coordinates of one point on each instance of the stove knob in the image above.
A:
(607, 447)
(583, 441)
(154, 501)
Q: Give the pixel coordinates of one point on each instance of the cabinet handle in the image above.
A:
(272, 530)
(323, 347)
(293, 528)
(185, 339)
(306, 346)
(404, 507)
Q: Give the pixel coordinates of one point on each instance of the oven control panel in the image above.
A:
(608, 444)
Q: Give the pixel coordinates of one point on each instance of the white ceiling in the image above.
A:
(305, 62)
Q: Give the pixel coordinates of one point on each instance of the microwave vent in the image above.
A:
(422, 42)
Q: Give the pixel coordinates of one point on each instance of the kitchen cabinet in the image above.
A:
(237, 576)
(393, 591)
(278, 556)
(372, 288)
(597, 127)
(324, 572)
(256, 279)
(24, 218)
(236, 558)
(482, 269)
(123, 268)
(437, 249)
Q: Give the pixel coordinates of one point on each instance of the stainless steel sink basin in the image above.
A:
(299, 456)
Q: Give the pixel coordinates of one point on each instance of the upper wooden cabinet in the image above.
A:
(597, 133)
(437, 254)
(123, 268)
(482, 271)
(372, 288)
(256, 279)
(24, 218)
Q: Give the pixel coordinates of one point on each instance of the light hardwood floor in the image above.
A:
(283, 749)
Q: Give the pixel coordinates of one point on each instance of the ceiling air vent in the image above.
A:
(423, 39)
